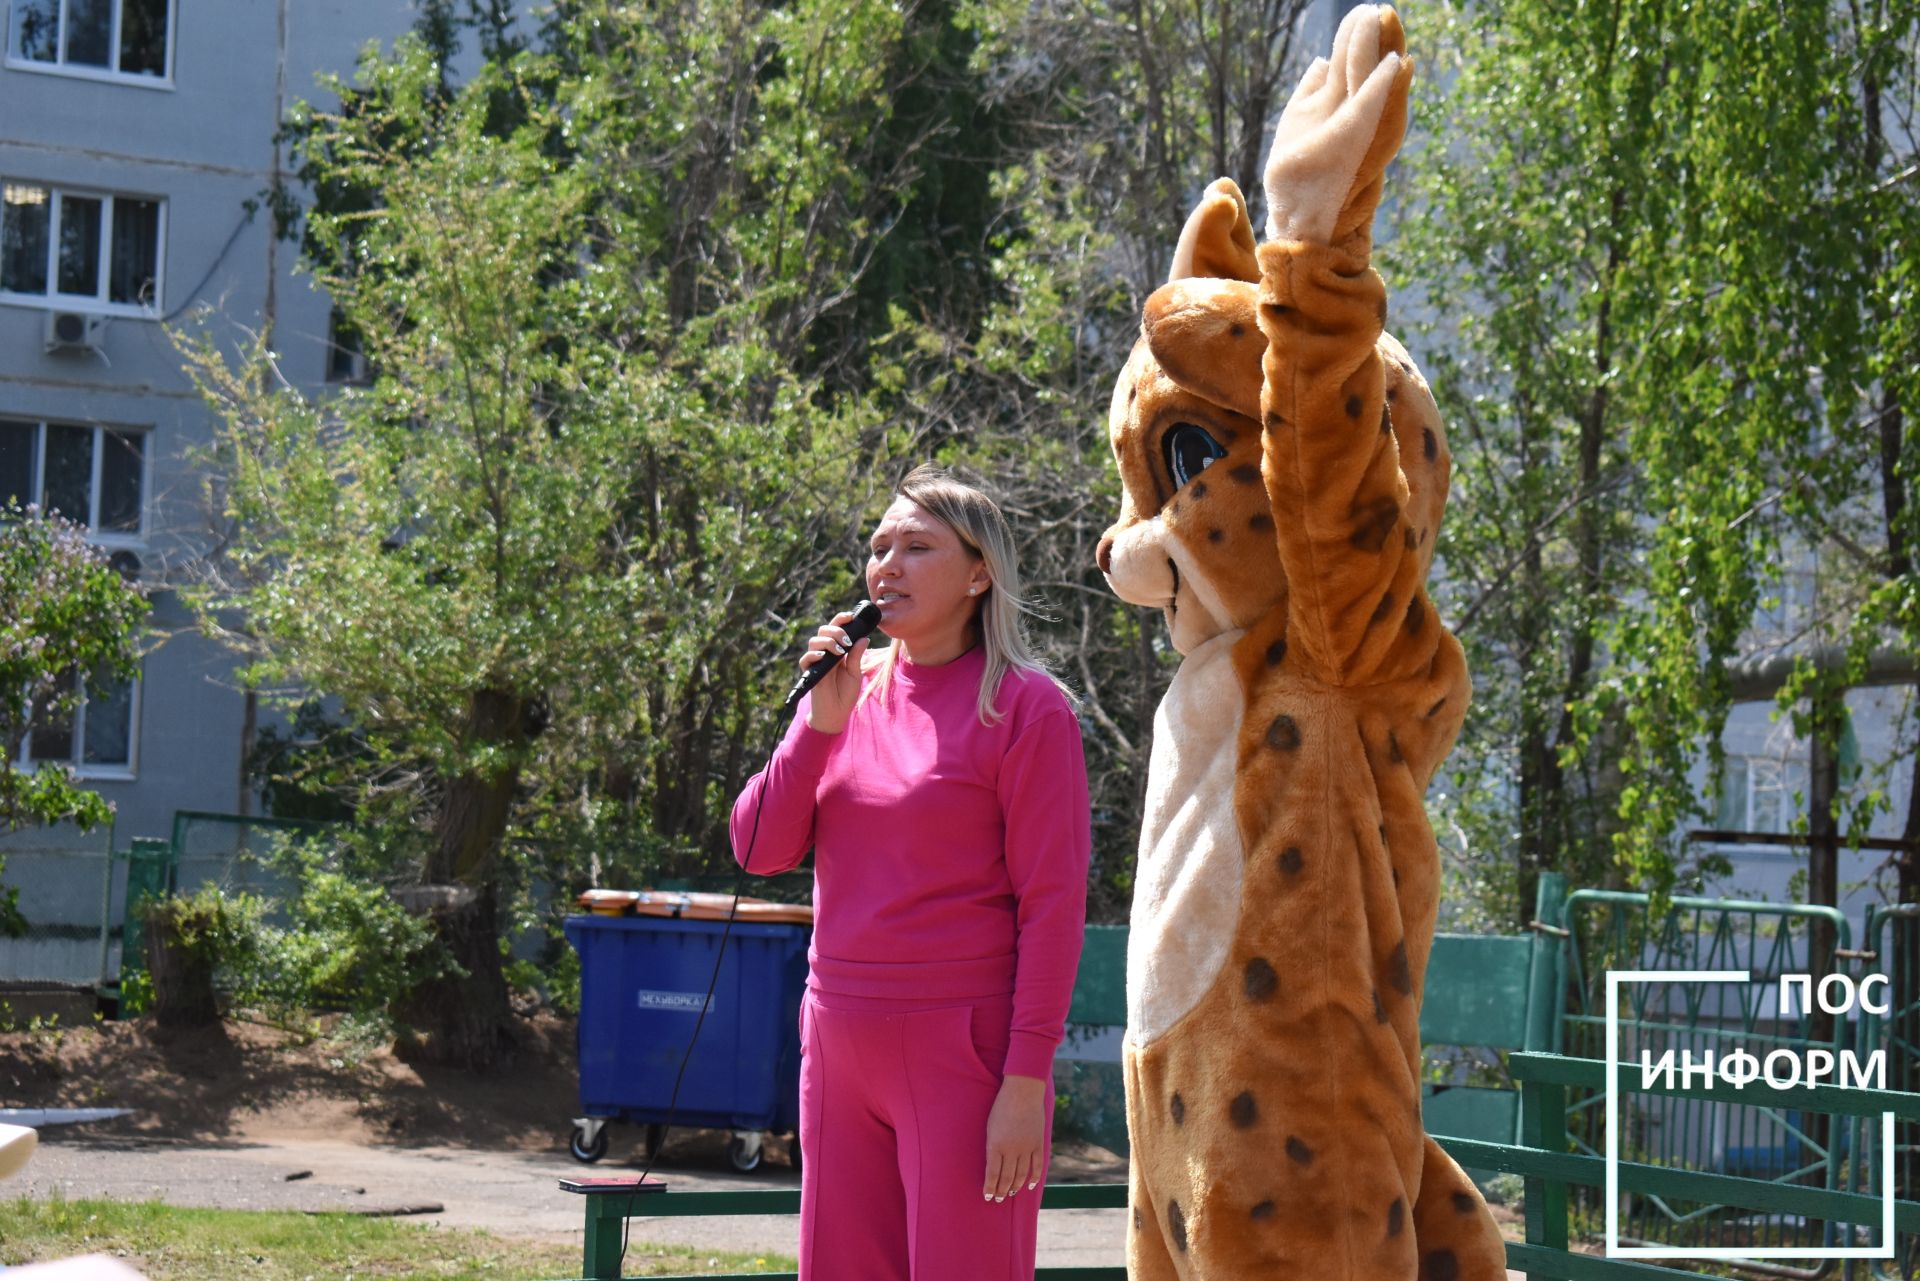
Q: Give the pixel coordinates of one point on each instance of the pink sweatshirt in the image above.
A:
(950, 857)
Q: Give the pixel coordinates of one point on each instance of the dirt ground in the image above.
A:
(247, 1081)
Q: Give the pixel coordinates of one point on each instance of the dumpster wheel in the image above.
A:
(588, 1143)
(745, 1151)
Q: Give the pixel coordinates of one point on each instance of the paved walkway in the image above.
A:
(509, 1193)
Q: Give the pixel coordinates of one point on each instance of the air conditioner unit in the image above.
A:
(74, 331)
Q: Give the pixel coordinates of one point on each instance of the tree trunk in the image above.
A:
(462, 1019)
(1823, 839)
(1823, 869)
(182, 973)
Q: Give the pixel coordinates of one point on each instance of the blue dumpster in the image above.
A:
(643, 983)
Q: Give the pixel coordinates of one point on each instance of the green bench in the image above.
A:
(607, 1212)
(1541, 1159)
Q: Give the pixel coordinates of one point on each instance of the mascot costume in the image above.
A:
(1284, 469)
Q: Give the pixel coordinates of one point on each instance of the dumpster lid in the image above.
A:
(685, 905)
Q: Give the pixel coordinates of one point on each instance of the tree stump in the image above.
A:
(181, 967)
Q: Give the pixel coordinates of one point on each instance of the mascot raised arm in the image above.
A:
(1284, 469)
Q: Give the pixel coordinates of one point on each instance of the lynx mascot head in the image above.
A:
(1284, 470)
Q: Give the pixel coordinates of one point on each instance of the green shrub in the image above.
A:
(333, 944)
(347, 945)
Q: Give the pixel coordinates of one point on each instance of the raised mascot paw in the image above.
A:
(1342, 126)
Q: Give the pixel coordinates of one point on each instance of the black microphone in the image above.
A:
(866, 617)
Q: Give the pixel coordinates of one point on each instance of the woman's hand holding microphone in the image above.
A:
(837, 692)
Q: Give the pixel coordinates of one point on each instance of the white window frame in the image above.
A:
(115, 539)
(97, 302)
(80, 71)
(77, 761)
(1758, 774)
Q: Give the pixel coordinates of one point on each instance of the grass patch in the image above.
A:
(173, 1244)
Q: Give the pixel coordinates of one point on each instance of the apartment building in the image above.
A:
(137, 148)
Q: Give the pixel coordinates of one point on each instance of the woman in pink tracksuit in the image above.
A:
(941, 787)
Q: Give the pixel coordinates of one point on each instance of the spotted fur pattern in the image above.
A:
(1288, 875)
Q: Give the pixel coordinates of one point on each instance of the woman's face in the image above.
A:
(924, 579)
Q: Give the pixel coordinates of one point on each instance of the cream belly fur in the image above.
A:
(1186, 898)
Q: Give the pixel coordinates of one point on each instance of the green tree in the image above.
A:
(63, 612)
(1666, 321)
(1106, 122)
(552, 564)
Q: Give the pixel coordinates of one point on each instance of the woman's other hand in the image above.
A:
(1016, 1137)
(834, 697)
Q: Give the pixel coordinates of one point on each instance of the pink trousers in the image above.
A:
(894, 1097)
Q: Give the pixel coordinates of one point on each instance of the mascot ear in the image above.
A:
(1218, 238)
(1205, 335)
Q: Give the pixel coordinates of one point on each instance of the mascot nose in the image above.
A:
(1103, 554)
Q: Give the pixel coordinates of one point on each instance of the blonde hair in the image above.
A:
(1001, 618)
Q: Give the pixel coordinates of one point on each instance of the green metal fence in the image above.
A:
(1892, 947)
(64, 880)
(1560, 1182)
(235, 852)
(1718, 1134)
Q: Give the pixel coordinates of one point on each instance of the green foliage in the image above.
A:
(654, 303)
(345, 945)
(311, 769)
(334, 942)
(1657, 303)
(136, 992)
(548, 555)
(556, 985)
(217, 931)
(63, 610)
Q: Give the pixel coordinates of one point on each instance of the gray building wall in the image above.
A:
(202, 140)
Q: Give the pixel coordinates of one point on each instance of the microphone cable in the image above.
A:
(866, 618)
(713, 981)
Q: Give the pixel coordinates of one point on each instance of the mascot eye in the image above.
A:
(1190, 451)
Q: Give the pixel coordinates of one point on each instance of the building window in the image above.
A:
(346, 362)
(94, 476)
(130, 38)
(80, 247)
(1759, 794)
(94, 737)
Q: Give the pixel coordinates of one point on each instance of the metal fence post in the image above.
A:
(102, 978)
(149, 876)
(1543, 1109)
(1544, 973)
